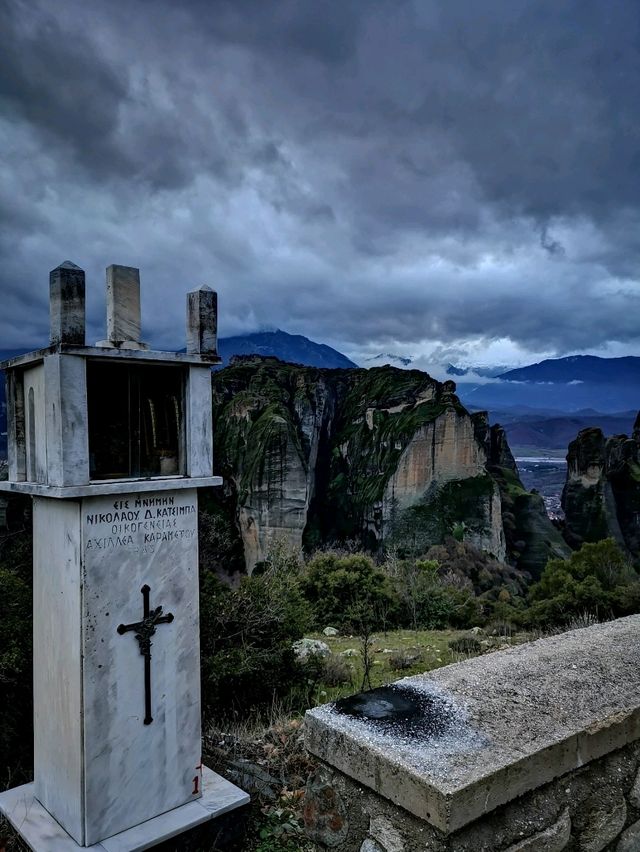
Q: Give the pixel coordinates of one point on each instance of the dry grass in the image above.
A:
(419, 650)
(9, 840)
(270, 763)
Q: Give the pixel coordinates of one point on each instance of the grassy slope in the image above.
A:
(431, 645)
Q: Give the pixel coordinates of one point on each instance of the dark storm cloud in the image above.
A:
(324, 31)
(365, 172)
(66, 90)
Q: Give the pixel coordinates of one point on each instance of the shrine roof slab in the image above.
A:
(120, 354)
(453, 744)
(111, 486)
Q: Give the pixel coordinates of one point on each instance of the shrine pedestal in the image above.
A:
(112, 442)
(43, 834)
(117, 736)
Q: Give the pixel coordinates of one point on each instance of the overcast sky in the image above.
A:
(451, 181)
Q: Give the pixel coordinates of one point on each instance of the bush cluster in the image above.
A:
(247, 637)
(248, 631)
(343, 588)
(597, 579)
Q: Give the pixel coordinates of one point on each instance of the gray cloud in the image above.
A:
(369, 173)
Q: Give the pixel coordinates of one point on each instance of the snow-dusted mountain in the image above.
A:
(386, 358)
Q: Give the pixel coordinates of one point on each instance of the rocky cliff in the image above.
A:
(531, 538)
(371, 456)
(601, 497)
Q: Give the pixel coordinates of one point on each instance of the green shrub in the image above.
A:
(428, 601)
(465, 645)
(403, 659)
(246, 637)
(435, 610)
(598, 579)
(466, 609)
(336, 671)
(342, 587)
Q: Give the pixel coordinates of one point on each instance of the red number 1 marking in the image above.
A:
(196, 785)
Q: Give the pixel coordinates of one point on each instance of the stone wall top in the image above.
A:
(453, 744)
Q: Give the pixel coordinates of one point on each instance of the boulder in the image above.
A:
(350, 652)
(306, 648)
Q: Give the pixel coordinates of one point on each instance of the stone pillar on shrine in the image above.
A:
(112, 442)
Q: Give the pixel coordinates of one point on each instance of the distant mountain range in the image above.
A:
(561, 384)
(294, 348)
(485, 372)
(539, 432)
(579, 368)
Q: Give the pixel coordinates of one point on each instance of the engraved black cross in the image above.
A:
(144, 630)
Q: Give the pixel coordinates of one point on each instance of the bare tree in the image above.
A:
(362, 619)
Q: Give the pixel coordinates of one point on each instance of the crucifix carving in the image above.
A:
(144, 630)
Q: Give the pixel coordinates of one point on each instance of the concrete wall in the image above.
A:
(592, 809)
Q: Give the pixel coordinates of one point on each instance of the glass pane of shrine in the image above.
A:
(136, 420)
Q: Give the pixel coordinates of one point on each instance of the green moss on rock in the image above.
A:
(601, 497)
(344, 433)
(532, 539)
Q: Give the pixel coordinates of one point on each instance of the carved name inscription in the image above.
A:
(140, 524)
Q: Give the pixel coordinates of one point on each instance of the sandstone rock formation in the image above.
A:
(531, 538)
(370, 456)
(601, 497)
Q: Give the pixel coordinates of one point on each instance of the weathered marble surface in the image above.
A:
(57, 660)
(202, 321)
(115, 487)
(123, 304)
(135, 771)
(35, 424)
(526, 716)
(199, 450)
(109, 765)
(118, 354)
(67, 304)
(49, 442)
(44, 834)
(51, 422)
(16, 446)
(65, 397)
(98, 768)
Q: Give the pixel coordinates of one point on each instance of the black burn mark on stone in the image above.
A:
(400, 711)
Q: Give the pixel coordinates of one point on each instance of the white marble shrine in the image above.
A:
(112, 443)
